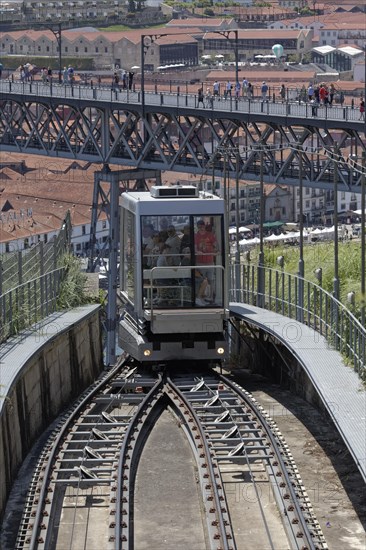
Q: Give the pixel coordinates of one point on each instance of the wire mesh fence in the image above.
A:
(30, 282)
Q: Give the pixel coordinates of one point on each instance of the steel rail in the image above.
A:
(47, 471)
(132, 442)
(250, 402)
(288, 492)
(225, 536)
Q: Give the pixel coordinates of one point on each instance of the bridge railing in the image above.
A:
(308, 303)
(30, 282)
(183, 100)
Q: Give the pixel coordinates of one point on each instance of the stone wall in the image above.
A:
(54, 375)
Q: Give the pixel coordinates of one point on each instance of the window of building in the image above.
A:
(105, 50)
(104, 224)
(83, 230)
(96, 49)
(76, 49)
(307, 204)
(86, 50)
(66, 49)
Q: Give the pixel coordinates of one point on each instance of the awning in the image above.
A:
(270, 225)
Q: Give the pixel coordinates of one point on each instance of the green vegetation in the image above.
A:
(322, 255)
(117, 28)
(114, 28)
(11, 62)
(72, 290)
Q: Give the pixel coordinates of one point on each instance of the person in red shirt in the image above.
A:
(205, 244)
(322, 94)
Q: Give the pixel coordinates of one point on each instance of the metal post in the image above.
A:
(112, 274)
(236, 57)
(300, 298)
(59, 41)
(143, 73)
(237, 251)
(261, 235)
(335, 220)
(363, 236)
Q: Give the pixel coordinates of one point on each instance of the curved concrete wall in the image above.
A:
(66, 360)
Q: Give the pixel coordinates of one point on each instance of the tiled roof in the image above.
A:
(199, 22)
(48, 195)
(259, 34)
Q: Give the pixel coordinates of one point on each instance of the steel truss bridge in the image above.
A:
(148, 133)
(166, 131)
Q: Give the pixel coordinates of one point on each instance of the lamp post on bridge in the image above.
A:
(363, 206)
(145, 45)
(229, 152)
(57, 33)
(226, 34)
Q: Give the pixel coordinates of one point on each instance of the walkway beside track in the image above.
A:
(17, 351)
(338, 386)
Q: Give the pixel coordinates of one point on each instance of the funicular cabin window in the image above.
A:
(128, 265)
(182, 261)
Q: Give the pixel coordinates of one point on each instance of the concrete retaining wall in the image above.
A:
(65, 362)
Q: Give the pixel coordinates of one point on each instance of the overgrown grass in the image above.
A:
(72, 289)
(322, 255)
(117, 28)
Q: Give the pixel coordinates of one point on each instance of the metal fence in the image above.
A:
(30, 283)
(308, 303)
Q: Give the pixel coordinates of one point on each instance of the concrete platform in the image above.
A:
(338, 386)
(15, 352)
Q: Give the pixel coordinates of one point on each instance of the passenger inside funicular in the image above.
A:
(182, 261)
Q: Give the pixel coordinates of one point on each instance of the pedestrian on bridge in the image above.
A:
(65, 75)
(283, 93)
(264, 90)
(237, 89)
(200, 98)
(216, 89)
(362, 109)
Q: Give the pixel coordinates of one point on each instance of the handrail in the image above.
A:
(181, 100)
(305, 301)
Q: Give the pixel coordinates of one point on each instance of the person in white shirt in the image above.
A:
(216, 89)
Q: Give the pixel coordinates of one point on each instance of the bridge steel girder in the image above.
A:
(108, 187)
(182, 139)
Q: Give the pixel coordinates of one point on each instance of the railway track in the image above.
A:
(82, 491)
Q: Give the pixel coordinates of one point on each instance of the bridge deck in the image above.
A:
(338, 386)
